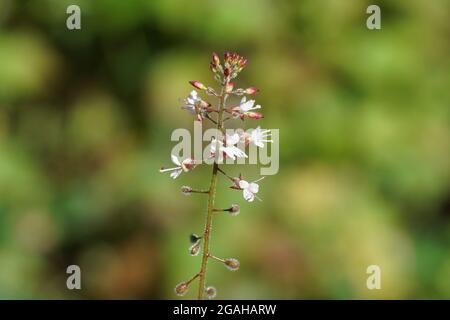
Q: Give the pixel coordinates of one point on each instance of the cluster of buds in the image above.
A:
(222, 145)
(232, 65)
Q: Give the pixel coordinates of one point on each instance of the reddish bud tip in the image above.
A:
(198, 85)
(254, 115)
(251, 90)
(229, 87)
(215, 58)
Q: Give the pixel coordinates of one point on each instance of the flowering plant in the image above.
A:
(222, 146)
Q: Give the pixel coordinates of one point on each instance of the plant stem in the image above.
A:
(211, 196)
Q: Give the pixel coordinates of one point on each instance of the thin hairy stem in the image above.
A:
(200, 191)
(209, 215)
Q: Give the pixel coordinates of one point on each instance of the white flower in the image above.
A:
(185, 165)
(229, 147)
(231, 150)
(258, 137)
(246, 106)
(195, 105)
(191, 102)
(250, 189)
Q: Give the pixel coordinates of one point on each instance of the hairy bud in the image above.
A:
(234, 210)
(232, 264)
(194, 249)
(210, 292)
(186, 190)
(181, 289)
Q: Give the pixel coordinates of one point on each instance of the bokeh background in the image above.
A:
(85, 124)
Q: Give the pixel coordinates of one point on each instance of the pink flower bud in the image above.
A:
(254, 115)
(251, 90)
(215, 59)
(229, 87)
(198, 85)
(181, 289)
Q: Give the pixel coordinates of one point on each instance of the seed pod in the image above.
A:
(181, 289)
(210, 292)
(194, 249)
(186, 190)
(234, 210)
(232, 264)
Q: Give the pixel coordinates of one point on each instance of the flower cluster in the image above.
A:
(222, 146)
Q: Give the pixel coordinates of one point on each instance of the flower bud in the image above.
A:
(198, 85)
(194, 249)
(215, 58)
(181, 289)
(186, 190)
(252, 115)
(234, 210)
(210, 292)
(232, 264)
(229, 87)
(251, 90)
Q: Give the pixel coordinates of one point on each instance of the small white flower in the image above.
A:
(258, 137)
(191, 102)
(246, 106)
(229, 147)
(195, 105)
(185, 165)
(250, 189)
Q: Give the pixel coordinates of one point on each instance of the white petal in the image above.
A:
(230, 152)
(233, 139)
(175, 160)
(176, 173)
(248, 195)
(247, 105)
(253, 187)
(193, 94)
(243, 184)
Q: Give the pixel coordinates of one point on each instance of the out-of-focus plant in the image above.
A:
(223, 145)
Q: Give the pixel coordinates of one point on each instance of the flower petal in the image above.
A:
(243, 184)
(253, 187)
(175, 160)
(176, 173)
(248, 196)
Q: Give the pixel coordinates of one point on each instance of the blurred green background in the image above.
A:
(85, 124)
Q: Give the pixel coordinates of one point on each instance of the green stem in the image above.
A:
(211, 196)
